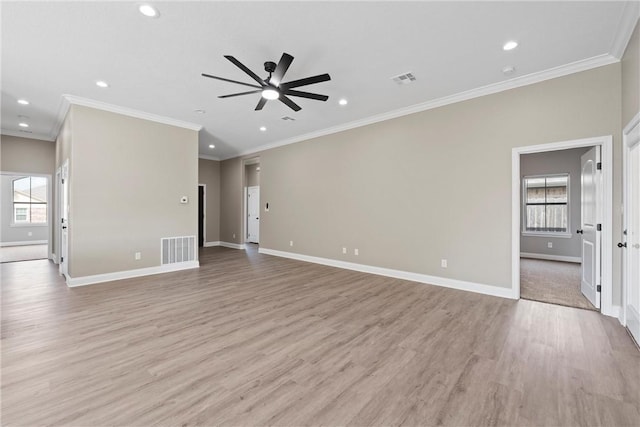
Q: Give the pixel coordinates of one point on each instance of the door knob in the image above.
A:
(64, 227)
(579, 231)
(622, 245)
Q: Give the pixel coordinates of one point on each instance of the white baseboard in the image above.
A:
(232, 245)
(54, 258)
(551, 257)
(119, 275)
(25, 243)
(613, 311)
(225, 245)
(399, 274)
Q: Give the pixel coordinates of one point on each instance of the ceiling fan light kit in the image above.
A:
(273, 87)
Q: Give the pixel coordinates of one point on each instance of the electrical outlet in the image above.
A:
(29, 234)
(138, 256)
(234, 235)
(290, 242)
(344, 250)
(443, 263)
(356, 252)
(549, 245)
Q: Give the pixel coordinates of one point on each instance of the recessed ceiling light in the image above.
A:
(148, 10)
(212, 146)
(508, 70)
(102, 84)
(270, 94)
(343, 102)
(262, 128)
(23, 125)
(510, 45)
(199, 111)
(23, 102)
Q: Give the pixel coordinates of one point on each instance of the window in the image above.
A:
(546, 204)
(29, 200)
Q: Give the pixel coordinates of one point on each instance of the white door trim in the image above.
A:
(626, 132)
(243, 222)
(606, 144)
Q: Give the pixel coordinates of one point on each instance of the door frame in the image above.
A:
(606, 152)
(63, 266)
(204, 214)
(243, 222)
(626, 134)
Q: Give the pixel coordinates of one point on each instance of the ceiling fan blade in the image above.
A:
(289, 103)
(230, 81)
(283, 66)
(261, 103)
(305, 95)
(306, 81)
(241, 93)
(246, 70)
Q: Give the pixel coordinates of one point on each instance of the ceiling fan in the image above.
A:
(273, 87)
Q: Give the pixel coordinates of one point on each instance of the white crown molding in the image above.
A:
(206, 157)
(19, 134)
(127, 274)
(630, 16)
(86, 102)
(398, 274)
(529, 79)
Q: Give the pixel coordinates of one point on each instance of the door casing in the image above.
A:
(630, 136)
(606, 144)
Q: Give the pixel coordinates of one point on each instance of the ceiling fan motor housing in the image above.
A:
(269, 67)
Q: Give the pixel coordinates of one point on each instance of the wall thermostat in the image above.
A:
(184, 200)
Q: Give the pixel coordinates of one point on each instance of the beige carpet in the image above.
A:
(23, 253)
(553, 282)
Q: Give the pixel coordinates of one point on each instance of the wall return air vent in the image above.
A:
(178, 249)
(404, 79)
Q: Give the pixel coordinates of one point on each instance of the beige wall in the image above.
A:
(209, 174)
(252, 175)
(128, 176)
(410, 191)
(556, 162)
(26, 155)
(631, 78)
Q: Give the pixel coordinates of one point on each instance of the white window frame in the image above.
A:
(523, 207)
(13, 222)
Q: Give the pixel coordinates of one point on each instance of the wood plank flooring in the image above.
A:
(251, 340)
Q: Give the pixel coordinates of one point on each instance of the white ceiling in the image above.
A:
(154, 64)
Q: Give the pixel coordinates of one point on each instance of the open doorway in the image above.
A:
(551, 239)
(251, 202)
(202, 209)
(562, 221)
(25, 232)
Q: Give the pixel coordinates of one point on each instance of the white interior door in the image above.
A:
(64, 220)
(253, 214)
(589, 219)
(631, 236)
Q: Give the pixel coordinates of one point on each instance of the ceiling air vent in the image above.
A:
(289, 118)
(404, 79)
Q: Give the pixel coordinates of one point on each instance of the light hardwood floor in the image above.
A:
(251, 339)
